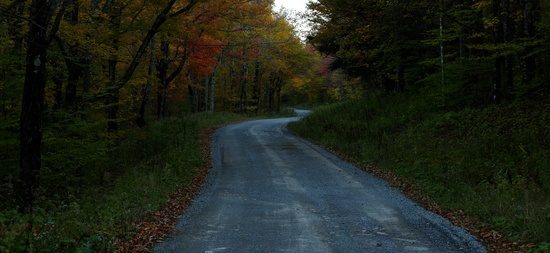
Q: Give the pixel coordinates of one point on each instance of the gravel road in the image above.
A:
(269, 191)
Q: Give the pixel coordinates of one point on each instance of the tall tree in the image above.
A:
(44, 19)
(530, 9)
(115, 86)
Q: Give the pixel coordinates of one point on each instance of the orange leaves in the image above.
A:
(204, 52)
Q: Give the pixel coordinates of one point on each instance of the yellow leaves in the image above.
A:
(78, 34)
(481, 5)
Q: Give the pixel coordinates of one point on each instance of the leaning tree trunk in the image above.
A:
(140, 121)
(160, 19)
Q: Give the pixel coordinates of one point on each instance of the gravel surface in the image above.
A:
(269, 191)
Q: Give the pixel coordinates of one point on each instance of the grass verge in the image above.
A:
(490, 163)
(97, 194)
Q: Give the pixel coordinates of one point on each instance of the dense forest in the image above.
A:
(99, 96)
(449, 95)
(102, 102)
(478, 51)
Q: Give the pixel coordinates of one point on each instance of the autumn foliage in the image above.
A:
(85, 86)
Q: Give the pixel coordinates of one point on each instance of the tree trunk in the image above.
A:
(162, 74)
(508, 36)
(73, 78)
(213, 83)
(499, 60)
(206, 93)
(442, 46)
(74, 64)
(193, 98)
(155, 27)
(57, 79)
(401, 85)
(112, 96)
(140, 121)
(86, 86)
(32, 108)
(278, 95)
(256, 90)
(242, 90)
(529, 30)
(115, 13)
(87, 67)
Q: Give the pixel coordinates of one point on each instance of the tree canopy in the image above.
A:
(100, 63)
(494, 49)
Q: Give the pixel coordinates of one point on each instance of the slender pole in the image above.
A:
(441, 46)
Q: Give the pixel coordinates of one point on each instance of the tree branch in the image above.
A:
(159, 20)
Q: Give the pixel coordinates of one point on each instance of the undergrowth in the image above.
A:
(94, 187)
(491, 162)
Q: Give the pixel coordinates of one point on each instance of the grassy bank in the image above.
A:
(94, 188)
(491, 162)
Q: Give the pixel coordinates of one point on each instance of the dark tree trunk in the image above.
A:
(206, 92)
(86, 86)
(155, 27)
(400, 85)
(389, 84)
(57, 79)
(113, 89)
(256, 89)
(74, 64)
(32, 108)
(278, 94)
(112, 96)
(508, 36)
(499, 59)
(162, 75)
(87, 66)
(242, 89)
(193, 97)
(73, 78)
(140, 121)
(529, 31)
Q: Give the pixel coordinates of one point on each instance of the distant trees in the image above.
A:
(491, 48)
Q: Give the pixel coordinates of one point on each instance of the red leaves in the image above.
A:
(204, 54)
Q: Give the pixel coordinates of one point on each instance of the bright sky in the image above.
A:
(295, 6)
(298, 5)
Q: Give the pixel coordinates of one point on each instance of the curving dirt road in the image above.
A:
(269, 191)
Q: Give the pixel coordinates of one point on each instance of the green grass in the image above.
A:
(491, 162)
(94, 186)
